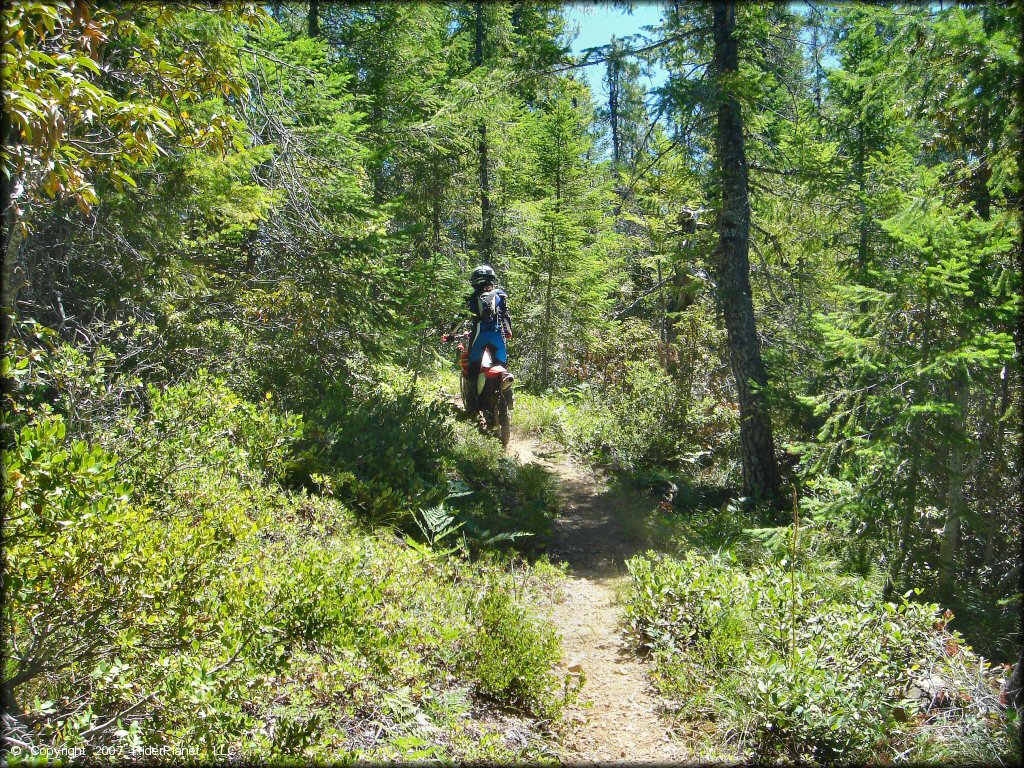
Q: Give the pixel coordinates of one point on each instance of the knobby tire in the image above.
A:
(504, 420)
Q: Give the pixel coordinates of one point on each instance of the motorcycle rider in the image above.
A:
(492, 324)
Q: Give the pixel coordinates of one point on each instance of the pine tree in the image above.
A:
(757, 442)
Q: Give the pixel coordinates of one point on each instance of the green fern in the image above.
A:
(436, 523)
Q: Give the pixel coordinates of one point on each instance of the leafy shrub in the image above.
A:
(637, 420)
(211, 425)
(384, 450)
(119, 589)
(506, 497)
(513, 656)
(162, 588)
(82, 384)
(823, 673)
(70, 545)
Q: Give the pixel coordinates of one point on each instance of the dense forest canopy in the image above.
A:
(788, 273)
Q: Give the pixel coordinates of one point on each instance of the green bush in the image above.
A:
(383, 450)
(636, 420)
(206, 423)
(824, 673)
(513, 656)
(505, 496)
(71, 543)
(170, 592)
(115, 594)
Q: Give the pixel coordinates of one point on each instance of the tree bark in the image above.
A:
(757, 443)
(662, 324)
(816, 62)
(906, 526)
(313, 20)
(998, 468)
(613, 101)
(955, 489)
(9, 280)
(1013, 689)
(517, 16)
(486, 214)
(862, 215)
(546, 346)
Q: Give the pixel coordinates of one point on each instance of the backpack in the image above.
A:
(487, 301)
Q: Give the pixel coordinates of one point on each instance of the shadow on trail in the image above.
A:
(600, 529)
(603, 522)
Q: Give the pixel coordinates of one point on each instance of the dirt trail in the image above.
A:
(599, 529)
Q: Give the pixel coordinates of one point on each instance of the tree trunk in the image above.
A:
(435, 207)
(546, 347)
(995, 506)
(816, 63)
(906, 526)
(376, 163)
(486, 214)
(9, 280)
(13, 237)
(662, 324)
(757, 443)
(613, 102)
(955, 507)
(517, 17)
(1013, 689)
(313, 20)
(545, 352)
(862, 216)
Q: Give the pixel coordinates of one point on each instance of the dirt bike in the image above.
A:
(494, 401)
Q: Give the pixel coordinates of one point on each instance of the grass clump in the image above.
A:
(540, 416)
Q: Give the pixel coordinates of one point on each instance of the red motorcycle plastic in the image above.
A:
(494, 384)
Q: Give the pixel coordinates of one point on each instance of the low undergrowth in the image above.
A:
(807, 664)
(636, 428)
(505, 501)
(170, 585)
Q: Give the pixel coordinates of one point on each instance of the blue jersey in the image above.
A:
(501, 321)
(490, 331)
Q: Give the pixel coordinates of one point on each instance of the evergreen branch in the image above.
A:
(622, 54)
(625, 311)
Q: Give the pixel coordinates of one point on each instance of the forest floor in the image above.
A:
(601, 526)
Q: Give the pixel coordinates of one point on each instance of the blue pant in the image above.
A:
(481, 339)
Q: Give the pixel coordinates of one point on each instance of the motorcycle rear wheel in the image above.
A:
(464, 391)
(504, 420)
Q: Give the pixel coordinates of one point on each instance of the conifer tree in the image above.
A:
(757, 442)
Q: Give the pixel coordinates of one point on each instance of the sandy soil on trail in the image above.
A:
(617, 717)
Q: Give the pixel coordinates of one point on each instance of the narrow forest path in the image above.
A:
(617, 718)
